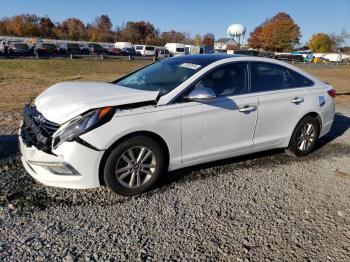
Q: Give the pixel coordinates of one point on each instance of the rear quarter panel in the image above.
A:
(321, 103)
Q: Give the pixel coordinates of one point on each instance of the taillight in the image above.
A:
(332, 92)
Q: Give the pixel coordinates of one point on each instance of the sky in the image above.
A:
(194, 16)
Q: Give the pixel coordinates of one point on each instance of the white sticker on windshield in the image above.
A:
(190, 66)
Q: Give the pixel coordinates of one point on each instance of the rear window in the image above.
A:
(95, 45)
(180, 49)
(21, 46)
(76, 46)
(139, 47)
(149, 48)
(49, 46)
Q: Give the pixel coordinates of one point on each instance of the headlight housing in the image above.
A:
(82, 124)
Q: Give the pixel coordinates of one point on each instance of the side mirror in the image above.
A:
(201, 94)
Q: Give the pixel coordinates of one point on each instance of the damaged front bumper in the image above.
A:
(71, 165)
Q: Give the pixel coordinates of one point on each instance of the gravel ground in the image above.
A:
(267, 206)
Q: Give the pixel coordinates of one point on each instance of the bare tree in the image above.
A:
(338, 40)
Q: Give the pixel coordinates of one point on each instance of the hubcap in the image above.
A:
(306, 138)
(135, 167)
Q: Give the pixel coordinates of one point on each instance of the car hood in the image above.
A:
(64, 101)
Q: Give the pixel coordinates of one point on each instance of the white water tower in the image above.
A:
(236, 32)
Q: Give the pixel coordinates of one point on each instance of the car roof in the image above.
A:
(204, 59)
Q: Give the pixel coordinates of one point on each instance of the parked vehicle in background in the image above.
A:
(192, 49)
(95, 49)
(320, 60)
(254, 52)
(162, 52)
(3, 46)
(346, 58)
(179, 112)
(45, 48)
(289, 57)
(307, 55)
(250, 52)
(175, 49)
(122, 45)
(128, 51)
(19, 48)
(206, 49)
(145, 50)
(113, 51)
(266, 54)
(332, 57)
(84, 49)
(69, 48)
(222, 51)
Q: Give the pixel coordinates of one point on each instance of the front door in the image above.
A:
(211, 130)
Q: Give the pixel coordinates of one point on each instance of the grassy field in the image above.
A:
(339, 76)
(20, 80)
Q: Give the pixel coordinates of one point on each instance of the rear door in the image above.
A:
(282, 101)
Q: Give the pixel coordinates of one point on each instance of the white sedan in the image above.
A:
(168, 115)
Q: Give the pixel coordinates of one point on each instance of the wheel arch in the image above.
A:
(149, 134)
(312, 114)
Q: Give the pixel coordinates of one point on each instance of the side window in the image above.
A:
(227, 80)
(301, 81)
(269, 77)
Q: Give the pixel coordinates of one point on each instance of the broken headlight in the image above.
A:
(82, 124)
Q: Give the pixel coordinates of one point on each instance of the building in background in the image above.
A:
(224, 44)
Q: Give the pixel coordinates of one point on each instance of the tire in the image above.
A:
(129, 174)
(305, 136)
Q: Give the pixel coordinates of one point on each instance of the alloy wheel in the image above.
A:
(135, 167)
(306, 137)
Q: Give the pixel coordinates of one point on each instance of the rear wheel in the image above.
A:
(305, 136)
(134, 166)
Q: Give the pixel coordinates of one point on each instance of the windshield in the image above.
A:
(139, 47)
(163, 76)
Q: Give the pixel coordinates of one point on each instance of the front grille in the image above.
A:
(37, 130)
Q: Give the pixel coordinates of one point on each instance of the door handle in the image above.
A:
(247, 108)
(297, 100)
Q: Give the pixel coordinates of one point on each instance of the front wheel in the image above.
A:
(134, 166)
(305, 136)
